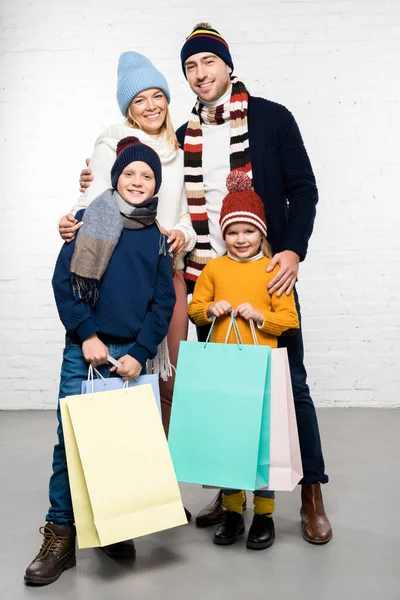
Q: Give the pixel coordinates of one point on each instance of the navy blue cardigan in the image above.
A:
(136, 294)
(282, 174)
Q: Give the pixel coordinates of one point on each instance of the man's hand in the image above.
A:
(94, 351)
(86, 177)
(285, 278)
(130, 369)
(247, 311)
(177, 239)
(222, 307)
(68, 226)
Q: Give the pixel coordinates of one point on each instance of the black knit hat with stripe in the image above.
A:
(129, 150)
(205, 39)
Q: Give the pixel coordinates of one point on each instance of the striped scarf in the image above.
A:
(234, 111)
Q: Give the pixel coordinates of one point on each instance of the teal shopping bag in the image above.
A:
(219, 429)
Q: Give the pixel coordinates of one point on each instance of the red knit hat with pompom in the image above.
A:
(242, 204)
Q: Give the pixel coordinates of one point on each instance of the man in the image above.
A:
(228, 130)
(261, 138)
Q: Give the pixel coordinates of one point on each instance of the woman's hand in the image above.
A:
(131, 368)
(177, 240)
(94, 351)
(247, 311)
(222, 307)
(85, 178)
(68, 226)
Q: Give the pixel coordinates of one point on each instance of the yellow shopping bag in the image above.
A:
(121, 475)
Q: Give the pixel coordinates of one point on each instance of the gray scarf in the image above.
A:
(103, 222)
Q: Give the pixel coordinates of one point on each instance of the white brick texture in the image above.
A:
(333, 63)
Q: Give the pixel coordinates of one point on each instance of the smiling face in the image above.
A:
(149, 110)
(243, 240)
(136, 183)
(208, 76)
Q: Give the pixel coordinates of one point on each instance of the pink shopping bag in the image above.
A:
(285, 459)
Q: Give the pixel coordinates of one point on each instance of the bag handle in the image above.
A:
(91, 372)
(253, 332)
(232, 323)
(235, 325)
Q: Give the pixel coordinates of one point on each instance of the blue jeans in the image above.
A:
(307, 424)
(74, 370)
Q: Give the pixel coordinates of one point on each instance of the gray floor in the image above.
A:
(362, 450)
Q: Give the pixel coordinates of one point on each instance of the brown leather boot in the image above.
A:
(314, 522)
(213, 513)
(56, 555)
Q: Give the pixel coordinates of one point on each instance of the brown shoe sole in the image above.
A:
(32, 580)
(316, 542)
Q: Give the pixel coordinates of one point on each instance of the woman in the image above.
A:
(143, 97)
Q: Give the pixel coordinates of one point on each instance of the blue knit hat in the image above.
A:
(205, 39)
(135, 74)
(129, 150)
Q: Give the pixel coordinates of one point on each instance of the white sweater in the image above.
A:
(216, 167)
(172, 212)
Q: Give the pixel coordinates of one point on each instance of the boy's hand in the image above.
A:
(247, 311)
(68, 226)
(222, 307)
(85, 178)
(177, 239)
(130, 369)
(94, 351)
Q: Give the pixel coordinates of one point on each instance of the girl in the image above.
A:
(238, 282)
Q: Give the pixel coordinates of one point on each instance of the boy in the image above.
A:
(114, 294)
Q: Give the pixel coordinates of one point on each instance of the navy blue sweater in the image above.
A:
(136, 294)
(282, 174)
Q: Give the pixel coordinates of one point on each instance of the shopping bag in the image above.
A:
(219, 428)
(285, 470)
(102, 384)
(122, 479)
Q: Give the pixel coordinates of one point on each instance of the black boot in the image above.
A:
(261, 533)
(120, 550)
(231, 528)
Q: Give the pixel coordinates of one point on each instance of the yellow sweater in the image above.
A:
(226, 279)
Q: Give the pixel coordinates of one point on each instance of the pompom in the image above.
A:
(125, 142)
(238, 181)
(202, 25)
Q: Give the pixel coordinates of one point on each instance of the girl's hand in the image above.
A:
(247, 311)
(68, 226)
(177, 240)
(222, 307)
(131, 368)
(94, 351)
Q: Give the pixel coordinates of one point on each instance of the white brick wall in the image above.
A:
(333, 63)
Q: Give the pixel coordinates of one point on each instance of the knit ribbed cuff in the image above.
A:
(200, 317)
(140, 353)
(86, 329)
(298, 247)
